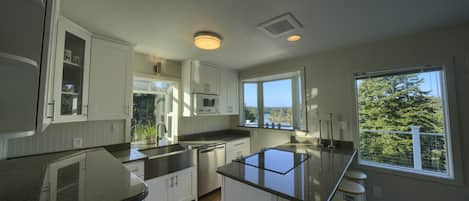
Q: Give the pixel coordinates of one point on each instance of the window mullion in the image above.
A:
(260, 103)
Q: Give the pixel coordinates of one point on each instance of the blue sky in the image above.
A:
(276, 94)
(431, 83)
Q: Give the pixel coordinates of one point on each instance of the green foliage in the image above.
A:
(395, 103)
(250, 113)
(281, 115)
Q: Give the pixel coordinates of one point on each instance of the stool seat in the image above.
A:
(355, 175)
(350, 187)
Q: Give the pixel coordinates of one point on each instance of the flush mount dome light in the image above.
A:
(207, 40)
(294, 38)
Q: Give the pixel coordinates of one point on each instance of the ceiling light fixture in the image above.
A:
(294, 38)
(207, 40)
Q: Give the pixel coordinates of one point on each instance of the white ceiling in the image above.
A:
(165, 28)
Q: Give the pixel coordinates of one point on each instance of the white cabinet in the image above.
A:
(235, 191)
(203, 78)
(229, 92)
(157, 189)
(178, 186)
(197, 77)
(237, 148)
(110, 80)
(71, 74)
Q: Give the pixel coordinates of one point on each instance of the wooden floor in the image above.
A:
(213, 196)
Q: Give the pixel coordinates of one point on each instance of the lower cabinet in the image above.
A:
(236, 191)
(178, 186)
(237, 148)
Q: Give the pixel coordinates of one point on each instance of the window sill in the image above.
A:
(273, 129)
(410, 173)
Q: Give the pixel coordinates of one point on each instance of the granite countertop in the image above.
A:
(315, 179)
(222, 136)
(128, 155)
(104, 178)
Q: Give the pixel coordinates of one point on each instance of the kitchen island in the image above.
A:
(287, 172)
(86, 175)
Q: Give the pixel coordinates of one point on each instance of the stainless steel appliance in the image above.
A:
(21, 52)
(210, 158)
(205, 104)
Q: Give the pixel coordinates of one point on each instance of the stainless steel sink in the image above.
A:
(163, 151)
(168, 159)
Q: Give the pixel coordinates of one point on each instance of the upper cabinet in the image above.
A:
(89, 77)
(229, 92)
(110, 80)
(71, 77)
(199, 77)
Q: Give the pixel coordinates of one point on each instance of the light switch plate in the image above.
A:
(77, 142)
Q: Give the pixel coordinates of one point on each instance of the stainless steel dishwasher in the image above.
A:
(210, 158)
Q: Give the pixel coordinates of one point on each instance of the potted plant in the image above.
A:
(149, 133)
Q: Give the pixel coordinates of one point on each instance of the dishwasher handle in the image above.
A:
(211, 149)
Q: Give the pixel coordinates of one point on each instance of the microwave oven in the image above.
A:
(205, 104)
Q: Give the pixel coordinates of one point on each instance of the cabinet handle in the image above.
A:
(85, 109)
(239, 144)
(171, 185)
(176, 180)
(51, 116)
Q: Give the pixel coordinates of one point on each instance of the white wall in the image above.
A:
(142, 64)
(59, 137)
(330, 88)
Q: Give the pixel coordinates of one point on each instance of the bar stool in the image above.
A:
(352, 191)
(356, 176)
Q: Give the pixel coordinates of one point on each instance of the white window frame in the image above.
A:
(297, 81)
(449, 139)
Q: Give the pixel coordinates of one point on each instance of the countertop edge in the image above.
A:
(259, 187)
(349, 163)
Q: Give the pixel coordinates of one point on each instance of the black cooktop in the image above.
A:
(275, 160)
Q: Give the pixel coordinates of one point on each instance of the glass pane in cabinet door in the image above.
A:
(72, 81)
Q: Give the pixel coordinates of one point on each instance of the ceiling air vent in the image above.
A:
(280, 25)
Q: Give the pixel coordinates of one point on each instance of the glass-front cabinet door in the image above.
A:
(71, 72)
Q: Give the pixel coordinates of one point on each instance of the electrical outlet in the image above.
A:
(77, 143)
(377, 191)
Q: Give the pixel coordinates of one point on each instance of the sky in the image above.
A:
(431, 83)
(276, 94)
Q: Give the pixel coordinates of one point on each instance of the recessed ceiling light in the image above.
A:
(207, 40)
(294, 38)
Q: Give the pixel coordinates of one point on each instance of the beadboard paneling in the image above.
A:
(199, 124)
(59, 137)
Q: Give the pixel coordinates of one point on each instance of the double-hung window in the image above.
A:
(403, 121)
(273, 102)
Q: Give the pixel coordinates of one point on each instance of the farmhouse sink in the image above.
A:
(168, 159)
(163, 151)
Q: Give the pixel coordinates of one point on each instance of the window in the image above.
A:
(152, 120)
(273, 102)
(403, 121)
(251, 112)
(278, 98)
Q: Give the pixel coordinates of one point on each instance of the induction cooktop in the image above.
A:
(275, 160)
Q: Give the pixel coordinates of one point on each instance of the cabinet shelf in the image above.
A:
(70, 93)
(69, 63)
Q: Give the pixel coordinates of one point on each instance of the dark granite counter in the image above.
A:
(100, 177)
(314, 179)
(128, 155)
(215, 137)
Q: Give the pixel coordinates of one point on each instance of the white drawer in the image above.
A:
(136, 167)
(243, 143)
